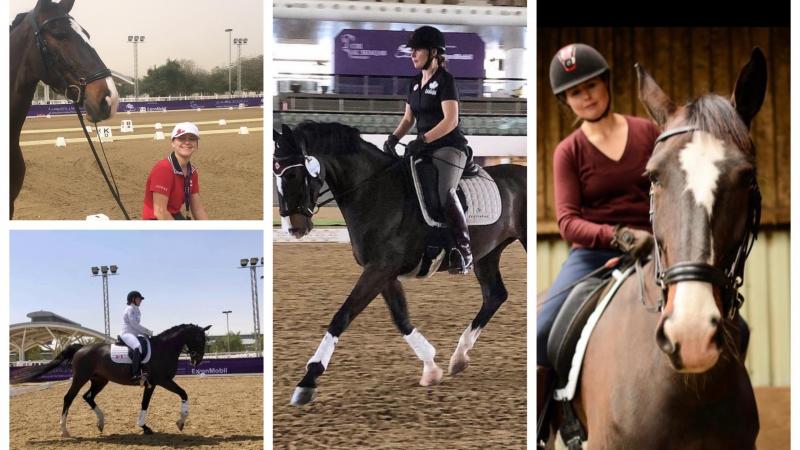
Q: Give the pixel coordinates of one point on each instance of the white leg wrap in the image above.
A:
(63, 423)
(286, 224)
(142, 417)
(467, 339)
(324, 351)
(99, 413)
(184, 408)
(421, 346)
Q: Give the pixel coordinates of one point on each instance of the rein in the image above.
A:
(357, 186)
(80, 94)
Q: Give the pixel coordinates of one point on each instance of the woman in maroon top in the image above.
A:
(601, 193)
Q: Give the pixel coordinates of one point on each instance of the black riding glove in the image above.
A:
(637, 243)
(416, 147)
(390, 144)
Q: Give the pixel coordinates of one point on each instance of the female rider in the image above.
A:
(432, 103)
(131, 328)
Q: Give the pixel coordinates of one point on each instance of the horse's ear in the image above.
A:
(66, 5)
(751, 87)
(288, 135)
(276, 136)
(206, 328)
(658, 104)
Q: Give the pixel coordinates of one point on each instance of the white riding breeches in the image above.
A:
(131, 341)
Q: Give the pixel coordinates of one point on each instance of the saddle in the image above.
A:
(122, 354)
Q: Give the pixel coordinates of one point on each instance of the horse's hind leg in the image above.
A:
(148, 394)
(487, 269)
(97, 385)
(396, 301)
(77, 384)
(367, 287)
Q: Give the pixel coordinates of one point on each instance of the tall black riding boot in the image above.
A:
(461, 255)
(136, 368)
(544, 391)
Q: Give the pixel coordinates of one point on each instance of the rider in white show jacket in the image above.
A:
(131, 327)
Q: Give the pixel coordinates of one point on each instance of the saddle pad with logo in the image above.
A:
(121, 354)
(483, 204)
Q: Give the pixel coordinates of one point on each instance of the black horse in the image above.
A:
(47, 44)
(93, 363)
(387, 233)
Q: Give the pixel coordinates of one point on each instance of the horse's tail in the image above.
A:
(30, 373)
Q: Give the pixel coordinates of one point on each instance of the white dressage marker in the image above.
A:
(230, 108)
(47, 116)
(105, 134)
(142, 109)
(61, 142)
(241, 105)
(158, 126)
(199, 109)
(88, 129)
(126, 126)
(97, 217)
(159, 136)
(244, 130)
(222, 122)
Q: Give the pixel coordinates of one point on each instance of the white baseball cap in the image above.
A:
(183, 128)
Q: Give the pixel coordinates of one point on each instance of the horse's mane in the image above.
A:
(18, 20)
(331, 138)
(715, 115)
(175, 329)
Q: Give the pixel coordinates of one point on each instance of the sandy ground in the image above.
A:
(774, 413)
(65, 183)
(370, 397)
(224, 412)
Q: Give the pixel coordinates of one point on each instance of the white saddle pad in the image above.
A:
(482, 195)
(119, 353)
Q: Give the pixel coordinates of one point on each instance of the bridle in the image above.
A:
(313, 173)
(61, 83)
(728, 280)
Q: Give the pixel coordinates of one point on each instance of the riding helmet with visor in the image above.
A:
(428, 37)
(574, 64)
(133, 295)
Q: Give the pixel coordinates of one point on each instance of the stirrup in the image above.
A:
(462, 268)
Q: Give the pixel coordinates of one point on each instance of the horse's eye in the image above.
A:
(653, 176)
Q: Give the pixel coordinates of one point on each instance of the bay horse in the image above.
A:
(48, 45)
(92, 363)
(677, 379)
(387, 233)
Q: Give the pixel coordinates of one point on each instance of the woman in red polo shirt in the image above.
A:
(173, 182)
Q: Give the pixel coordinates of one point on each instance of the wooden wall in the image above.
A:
(767, 307)
(686, 62)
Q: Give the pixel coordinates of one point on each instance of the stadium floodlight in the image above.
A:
(95, 270)
(254, 294)
(243, 262)
(253, 261)
(130, 38)
(104, 269)
(113, 269)
(103, 272)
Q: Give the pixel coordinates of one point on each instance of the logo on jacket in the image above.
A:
(434, 85)
(416, 86)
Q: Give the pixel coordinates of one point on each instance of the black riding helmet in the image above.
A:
(574, 64)
(427, 37)
(133, 295)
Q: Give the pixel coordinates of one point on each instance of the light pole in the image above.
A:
(254, 263)
(228, 327)
(104, 272)
(136, 40)
(229, 30)
(239, 42)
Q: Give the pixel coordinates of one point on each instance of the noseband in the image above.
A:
(49, 64)
(727, 280)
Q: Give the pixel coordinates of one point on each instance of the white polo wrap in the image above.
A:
(142, 417)
(420, 345)
(324, 351)
(184, 408)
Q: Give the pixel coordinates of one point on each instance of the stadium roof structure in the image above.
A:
(50, 331)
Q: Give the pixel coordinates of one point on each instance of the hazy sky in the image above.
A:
(185, 276)
(175, 29)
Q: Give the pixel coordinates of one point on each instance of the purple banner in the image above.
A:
(161, 105)
(222, 366)
(382, 52)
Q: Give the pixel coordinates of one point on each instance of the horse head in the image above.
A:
(64, 59)
(299, 179)
(196, 343)
(705, 210)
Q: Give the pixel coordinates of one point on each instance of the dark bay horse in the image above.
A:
(387, 233)
(48, 45)
(676, 379)
(93, 363)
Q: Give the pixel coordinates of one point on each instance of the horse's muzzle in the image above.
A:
(101, 99)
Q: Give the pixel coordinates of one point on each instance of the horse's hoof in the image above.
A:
(458, 363)
(180, 425)
(65, 434)
(431, 377)
(100, 426)
(146, 429)
(303, 396)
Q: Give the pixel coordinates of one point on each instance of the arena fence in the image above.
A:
(155, 105)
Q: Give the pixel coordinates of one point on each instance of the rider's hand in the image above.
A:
(416, 146)
(390, 144)
(637, 243)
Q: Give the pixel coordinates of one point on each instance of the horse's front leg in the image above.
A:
(17, 168)
(148, 394)
(396, 301)
(173, 387)
(369, 284)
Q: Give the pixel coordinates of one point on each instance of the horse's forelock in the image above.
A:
(717, 116)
